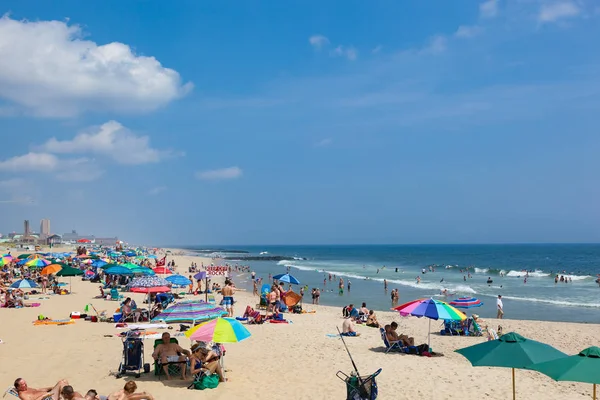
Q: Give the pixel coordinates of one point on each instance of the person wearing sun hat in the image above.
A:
(203, 358)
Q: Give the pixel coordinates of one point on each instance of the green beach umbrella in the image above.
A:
(70, 272)
(582, 367)
(22, 256)
(511, 350)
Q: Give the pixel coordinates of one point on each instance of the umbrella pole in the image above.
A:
(429, 336)
(594, 392)
(513, 382)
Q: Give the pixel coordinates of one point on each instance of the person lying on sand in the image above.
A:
(170, 353)
(46, 393)
(128, 393)
(393, 336)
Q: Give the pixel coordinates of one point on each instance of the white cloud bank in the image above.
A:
(557, 11)
(318, 41)
(219, 174)
(49, 70)
(110, 139)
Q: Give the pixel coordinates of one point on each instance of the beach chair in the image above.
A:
(11, 390)
(115, 295)
(174, 367)
(389, 346)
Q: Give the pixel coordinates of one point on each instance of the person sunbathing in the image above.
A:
(128, 393)
(170, 353)
(372, 320)
(46, 393)
(68, 393)
(204, 359)
(348, 328)
(403, 339)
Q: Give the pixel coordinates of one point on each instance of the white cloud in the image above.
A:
(318, 41)
(49, 70)
(157, 190)
(324, 142)
(78, 170)
(219, 174)
(30, 162)
(488, 9)
(112, 140)
(556, 11)
(437, 45)
(348, 52)
(464, 31)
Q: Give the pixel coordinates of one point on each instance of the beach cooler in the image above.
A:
(75, 315)
(117, 317)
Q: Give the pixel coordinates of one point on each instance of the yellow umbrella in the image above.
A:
(51, 269)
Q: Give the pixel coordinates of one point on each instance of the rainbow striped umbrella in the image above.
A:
(4, 260)
(37, 262)
(432, 309)
(219, 330)
(189, 311)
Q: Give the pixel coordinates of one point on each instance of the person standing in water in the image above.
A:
(385, 285)
(500, 306)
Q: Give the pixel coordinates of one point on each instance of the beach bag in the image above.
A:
(207, 382)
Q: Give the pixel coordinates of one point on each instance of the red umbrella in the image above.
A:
(162, 270)
(84, 241)
(156, 289)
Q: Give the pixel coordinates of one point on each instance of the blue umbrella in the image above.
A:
(98, 263)
(118, 270)
(200, 275)
(178, 280)
(148, 282)
(24, 284)
(287, 278)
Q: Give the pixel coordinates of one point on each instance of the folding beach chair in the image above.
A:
(115, 295)
(11, 390)
(389, 346)
(174, 367)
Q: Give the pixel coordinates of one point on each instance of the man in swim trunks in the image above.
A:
(227, 293)
(46, 393)
(170, 353)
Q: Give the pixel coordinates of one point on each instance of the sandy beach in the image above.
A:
(293, 361)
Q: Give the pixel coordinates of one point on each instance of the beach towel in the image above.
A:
(54, 322)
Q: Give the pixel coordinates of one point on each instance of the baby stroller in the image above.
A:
(133, 355)
(358, 387)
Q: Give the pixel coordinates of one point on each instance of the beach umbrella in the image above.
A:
(190, 312)
(219, 330)
(70, 272)
(511, 350)
(23, 256)
(51, 269)
(162, 270)
(109, 265)
(582, 367)
(287, 278)
(432, 309)
(178, 280)
(89, 273)
(118, 270)
(37, 262)
(466, 302)
(5, 261)
(98, 263)
(148, 281)
(154, 289)
(24, 284)
(200, 275)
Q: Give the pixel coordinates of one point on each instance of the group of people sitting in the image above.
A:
(393, 336)
(62, 388)
(361, 315)
(11, 297)
(202, 358)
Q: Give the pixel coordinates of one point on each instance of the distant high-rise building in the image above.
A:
(26, 231)
(45, 228)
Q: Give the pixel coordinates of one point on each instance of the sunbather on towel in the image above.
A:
(128, 393)
(170, 352)
(394, 337)
(46, 393)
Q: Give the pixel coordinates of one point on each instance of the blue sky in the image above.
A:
(300, 122)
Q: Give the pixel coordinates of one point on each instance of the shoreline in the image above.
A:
(275, 349)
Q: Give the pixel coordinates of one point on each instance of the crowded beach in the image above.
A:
(98, 322)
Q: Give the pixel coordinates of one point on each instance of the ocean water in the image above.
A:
(366, 267)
